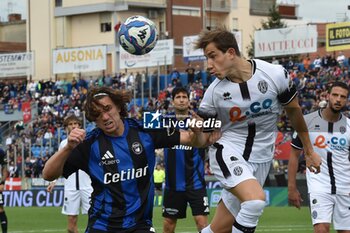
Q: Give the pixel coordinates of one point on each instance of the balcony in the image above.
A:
(142, 3)
(261, 7)
(222, 6)
(74, 7)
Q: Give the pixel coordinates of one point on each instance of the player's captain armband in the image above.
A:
(210, 123)
(288, 94)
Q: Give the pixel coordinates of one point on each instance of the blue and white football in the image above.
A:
(138, 35)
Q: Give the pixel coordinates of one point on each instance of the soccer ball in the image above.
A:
(138, 35)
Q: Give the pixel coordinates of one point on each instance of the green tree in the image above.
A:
(274, 21)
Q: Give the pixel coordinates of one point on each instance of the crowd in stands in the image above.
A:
(38, 139)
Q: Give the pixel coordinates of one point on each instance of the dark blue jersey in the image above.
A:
(3, 159)
(121, 171)
(184, 166)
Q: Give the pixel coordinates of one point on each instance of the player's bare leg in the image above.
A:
(343, 231)
(322, 228)
(201, 221)
(252, 197)
(72, 224)
(169, 225)
(222, 221)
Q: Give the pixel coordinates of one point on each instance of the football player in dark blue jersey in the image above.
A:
(119, 157)
(4, 172)
(184, 169)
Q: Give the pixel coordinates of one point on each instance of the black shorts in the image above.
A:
(1, 199)
(175, 203)
(138, 229)
(158, 186)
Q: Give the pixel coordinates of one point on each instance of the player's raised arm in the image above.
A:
(54, 166)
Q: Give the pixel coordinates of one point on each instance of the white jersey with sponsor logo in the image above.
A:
(249, 111)
(331, 142)
(78, 180)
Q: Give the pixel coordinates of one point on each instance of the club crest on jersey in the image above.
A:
(263, 86)
(137, 148)
(342, 129)
(227, 96)
(238, 171)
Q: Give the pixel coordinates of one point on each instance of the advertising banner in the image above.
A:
(83, 59)
(16, 64)
(285, 41)
(337, 36)
(189, 51)
(162, 54)
(39, 198)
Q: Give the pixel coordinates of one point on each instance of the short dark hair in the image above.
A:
(119, 98)
(177, 90)
(338, 84)
(70, 118)
(221, 37)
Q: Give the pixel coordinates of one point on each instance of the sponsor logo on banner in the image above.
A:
(39, 198)
(82, 59)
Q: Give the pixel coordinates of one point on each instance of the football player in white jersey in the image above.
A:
(77, 188)
(247, 96)
(329, 190)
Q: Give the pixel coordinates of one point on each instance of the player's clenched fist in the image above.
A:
(76, 137)
(313, 162)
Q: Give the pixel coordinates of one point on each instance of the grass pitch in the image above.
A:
(50, 219)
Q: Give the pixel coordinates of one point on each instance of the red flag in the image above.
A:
(27, 112)
(13, 184)
(117, 26)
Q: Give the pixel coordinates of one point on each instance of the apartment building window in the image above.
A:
(234, 4)
(106, 27)
(186, 11)
(105, 22)
(211, 23)
(235, 23)
(58, 3)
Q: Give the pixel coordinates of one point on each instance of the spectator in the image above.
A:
(190, 74)
(159, 178)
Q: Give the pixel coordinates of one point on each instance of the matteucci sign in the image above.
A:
(76, 60)
(285, 41)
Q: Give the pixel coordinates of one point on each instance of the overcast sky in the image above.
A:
(309, 10)
(12, 6)
(321, 10)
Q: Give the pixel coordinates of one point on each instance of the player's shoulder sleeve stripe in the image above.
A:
(286, 97)
(296, 147)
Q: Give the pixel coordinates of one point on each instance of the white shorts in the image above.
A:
(76, 199)
(324, 207)
(231, 169)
